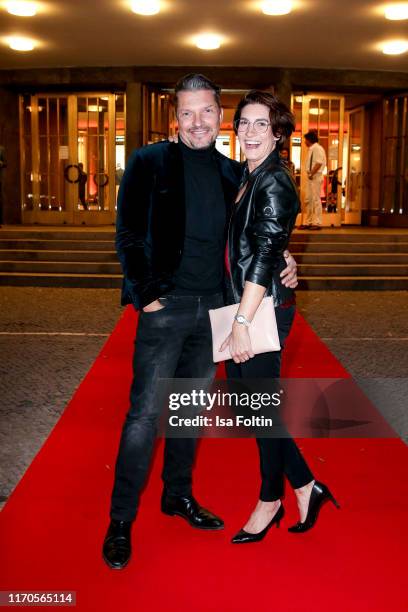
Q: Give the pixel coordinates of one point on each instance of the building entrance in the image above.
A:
(73, 157)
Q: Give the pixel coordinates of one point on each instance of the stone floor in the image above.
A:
(50, 337)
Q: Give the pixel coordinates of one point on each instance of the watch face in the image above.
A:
(241, 319)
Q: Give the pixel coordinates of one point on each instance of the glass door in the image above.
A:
(355, 177)
(324, 114)
(72, 157)
(94, 162)
(395, 159)
(45, 151)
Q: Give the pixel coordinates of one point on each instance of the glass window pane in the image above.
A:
(52, 116)
(42, 116)
(63, 116)
(313, 114)
(323, 118)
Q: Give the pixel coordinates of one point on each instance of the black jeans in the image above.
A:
(278, 456)
(174, 342)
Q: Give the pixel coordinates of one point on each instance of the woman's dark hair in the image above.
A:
(282, 120)
(196, 82)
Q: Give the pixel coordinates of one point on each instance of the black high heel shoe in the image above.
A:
(243, 537)
(320, 495)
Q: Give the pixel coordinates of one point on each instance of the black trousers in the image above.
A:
(278, 457)
(174, 342)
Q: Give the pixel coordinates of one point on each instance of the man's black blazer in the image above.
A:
(150, 222)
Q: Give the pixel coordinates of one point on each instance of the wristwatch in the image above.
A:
(242, 319)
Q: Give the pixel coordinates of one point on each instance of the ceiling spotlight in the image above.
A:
(19, 43)
(21, 8)
(145, 7)
(208, 41)
(277, 7)
(316, 111)
(397, 11)
(395, 47)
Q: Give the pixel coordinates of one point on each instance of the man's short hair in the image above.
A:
(197, 82)
(312, 136)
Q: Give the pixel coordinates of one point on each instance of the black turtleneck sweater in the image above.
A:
(202, 263)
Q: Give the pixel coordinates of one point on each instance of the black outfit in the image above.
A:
(82, 180)
(260, 230)
(158, 242)
(201, 269)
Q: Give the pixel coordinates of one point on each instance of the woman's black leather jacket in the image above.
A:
(260, 229)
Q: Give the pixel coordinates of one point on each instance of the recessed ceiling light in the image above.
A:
(277, 7)
(396, 11)
(20, 43)
(208, 41)
(395, 47)
(145, 7)
(316, 111)
(21, 8)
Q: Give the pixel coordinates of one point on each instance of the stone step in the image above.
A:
(89, 267)
(91, 281)
(61, 267)
(57, 245)
(45, 234)
(85, 234)
(91, 255)
(354, 283)
(375, 238)
(346, 247)
(351, 258)
(111, 256)
(333, 283)
(348, 270)
(109, 245)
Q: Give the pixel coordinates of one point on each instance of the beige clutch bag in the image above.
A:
(263, 330)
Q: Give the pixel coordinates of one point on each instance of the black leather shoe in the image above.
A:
(243, 537)
(116, 547)
(320, 495)
(189, 509)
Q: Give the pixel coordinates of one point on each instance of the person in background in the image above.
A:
(314, 166)
(82, 180)
(284, 155)
(335, 188)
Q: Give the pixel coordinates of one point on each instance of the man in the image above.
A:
(314, 166)
(173, 209)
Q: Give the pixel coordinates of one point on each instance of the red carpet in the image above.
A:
(52, 527)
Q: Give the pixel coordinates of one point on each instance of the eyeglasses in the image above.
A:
(260, 126)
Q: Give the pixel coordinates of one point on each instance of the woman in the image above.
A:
(262, 221)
